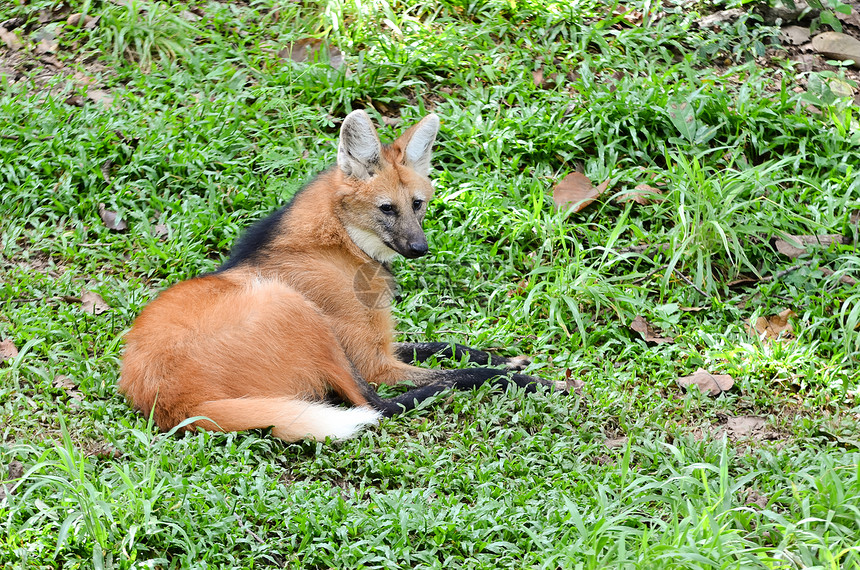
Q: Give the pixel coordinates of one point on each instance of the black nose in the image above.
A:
(417, 249)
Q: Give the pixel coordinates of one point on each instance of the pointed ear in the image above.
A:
(359, 152)
(419, 143)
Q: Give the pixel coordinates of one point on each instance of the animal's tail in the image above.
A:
(291, 419)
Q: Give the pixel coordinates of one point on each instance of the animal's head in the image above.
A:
(385, 188)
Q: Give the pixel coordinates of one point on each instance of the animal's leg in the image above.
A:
(410, 352)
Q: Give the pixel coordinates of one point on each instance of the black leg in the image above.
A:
(440, 380)
(410, 352)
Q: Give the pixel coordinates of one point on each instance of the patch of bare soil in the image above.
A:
(30, 54)
(809, 47)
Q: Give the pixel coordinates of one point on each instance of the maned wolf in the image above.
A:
(299, 316)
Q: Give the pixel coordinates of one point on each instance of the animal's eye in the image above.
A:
(416, 204)
(387, 208)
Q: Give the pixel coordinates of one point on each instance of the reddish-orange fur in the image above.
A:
(249, 346)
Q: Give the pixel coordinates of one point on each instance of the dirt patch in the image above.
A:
(33, 58)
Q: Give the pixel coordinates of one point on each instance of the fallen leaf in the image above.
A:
(836, 45)
(570, 384)
(105, 170)
(756, 498)
(844, 279)
(712, 384)
(12, 41)
(576, 191)
(68, 385)
(103, 450)
(382, 107)
(647, 250)
(773, 327)
(312, 50)
(13, 23)
(48, 43)
(795, 246)
(100, 96)
(159, 231)
(537, 77)
(641, 194)
(74, 101)
(744, 426)
(615, 442)
(89, 22)
(629, 15)
(109, 217)
(48, 15)
(647, 333)
(16, 471)
(8, 350)
(793, 35)
(93, 303)
(717, 19)
(189, 16)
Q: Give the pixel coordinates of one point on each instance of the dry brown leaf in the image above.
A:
(755, 498)
(647, 333)
(795, 246)
(615, 442)
(79, 20)
(712, 384)
(744, 426)
(844, 279)
(93, 303)
(55, 14)
(109, 217)
(632, 17)
(159, 231)
(576, 192)
(642, 194)
(74, 101)
(48, 43)
(100, 96)
(570, 384)
(8, 350)
(537, 77)
(311, 50)
(105, 170)
(68, 385)
(16, 471)
(13, 23)
(103, 450)
(11, 39)
(774, 326)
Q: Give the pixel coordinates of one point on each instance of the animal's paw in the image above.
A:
(517, 362)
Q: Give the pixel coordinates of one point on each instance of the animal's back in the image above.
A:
(213, 338)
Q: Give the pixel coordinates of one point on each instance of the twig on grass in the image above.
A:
(649, 274)
(690, 283)
(784, 272)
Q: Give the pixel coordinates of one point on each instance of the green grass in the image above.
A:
(210, 129)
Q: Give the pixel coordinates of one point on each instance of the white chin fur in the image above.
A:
(370, 244)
